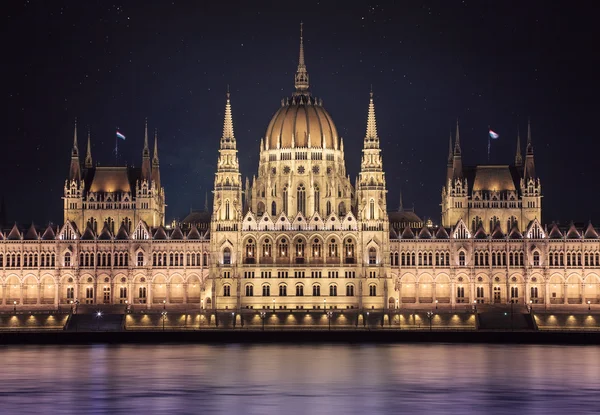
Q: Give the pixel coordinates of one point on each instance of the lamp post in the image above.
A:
(71, 306)
(98, 316)
(589, 305)
(329, 315)
(436, 303)
(365, 322)
(475, 306)
(273, 305)
(530, 306)
(233, 319)
(164, 317)
(164, 304)
(202, 304)
(430, 317)
(262, 317)
(15, 306)
(324, 304)
(126, 306)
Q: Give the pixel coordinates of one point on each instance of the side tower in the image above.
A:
(531, 189)
(227, 208)
(74, 185)
(455, 192)
(373, 219)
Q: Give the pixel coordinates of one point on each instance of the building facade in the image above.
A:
(299, 235)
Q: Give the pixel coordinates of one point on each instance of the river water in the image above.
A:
(306, 379)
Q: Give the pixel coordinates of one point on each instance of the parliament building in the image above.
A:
(301, 235)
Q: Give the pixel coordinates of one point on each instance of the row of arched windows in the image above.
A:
(29, 260)
(423, 259)
(299, 246)
(299, 289)
(103, 259)
(175, 259)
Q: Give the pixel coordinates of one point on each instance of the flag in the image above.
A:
(493, 135)
(121, 136)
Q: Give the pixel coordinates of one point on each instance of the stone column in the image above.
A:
(57, 287)
(168, 292)
(39, 293)
(3, 294)
(565, 288)
(434, 294)
(546, 293)
(417, 293)
(149, 295)
(526, 294)
(21, 295)
(452, 294)
(185, 292)
(491, 294)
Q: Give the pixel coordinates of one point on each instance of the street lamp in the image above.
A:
(126, 306)
(99, 316)
(436, 303)
(329, 315)
(475, 306)
(273, 305)
(430, 317)
(15, 306)
(202, 304)
(71, 306)
(233, 318)
(324, 303)
(262, 317)
(530, 306)
(164, 304)
(164, 317)
(589, 305)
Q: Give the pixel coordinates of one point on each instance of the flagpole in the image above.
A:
(489, 143)
(116, 150)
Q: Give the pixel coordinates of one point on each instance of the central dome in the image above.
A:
(301, 122)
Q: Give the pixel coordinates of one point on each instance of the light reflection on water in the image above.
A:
(308, 379)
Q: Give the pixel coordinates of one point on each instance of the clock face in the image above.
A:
(315, 169)
(286, 169)
(301, 170)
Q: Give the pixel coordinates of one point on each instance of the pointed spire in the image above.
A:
(401, 205)
(457, 142)
(88, 153)
(301, 77)
(75, 169)
(155, 156)
(228, 139)
(371, 134)
(146, 168)
(529, 145)
(457, 170)
(75, 152)
(518, 156)
(450, 149)
(146, 152)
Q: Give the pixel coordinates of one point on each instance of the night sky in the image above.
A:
(484, 62)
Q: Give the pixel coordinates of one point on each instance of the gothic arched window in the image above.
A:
(301, 199)
(227, 256)
(285, 200)
(373, 256)
(333, 248)
(328, 208)
(283, 248)
(316, 248)
(371, 209)
(267, 248)
(273, 208)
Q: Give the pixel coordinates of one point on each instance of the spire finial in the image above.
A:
(518, 156)
(457, 142)
(371, 121)
(228, 139)
(450, 147)
(146, 151)
(75, 148)
(155, 156)
(88, 154)
(301, 78)
(401, 205)
(528, 132)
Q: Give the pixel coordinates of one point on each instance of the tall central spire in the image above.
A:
(301, 77)
(371, 138)
(228, 139)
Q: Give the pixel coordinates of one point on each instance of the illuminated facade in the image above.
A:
(300, 235)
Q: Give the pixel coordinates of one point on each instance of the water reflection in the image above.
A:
(281, 379)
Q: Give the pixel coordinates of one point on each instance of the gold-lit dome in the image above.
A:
(302, 122)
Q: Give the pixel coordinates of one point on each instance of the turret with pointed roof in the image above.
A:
(88, 164)
(146, 167)
(155, 163)
(75, 170)
(529, 172)
(371, 189)
(518, 156)
(457, 168)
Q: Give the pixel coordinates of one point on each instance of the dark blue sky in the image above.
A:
(485, 62)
